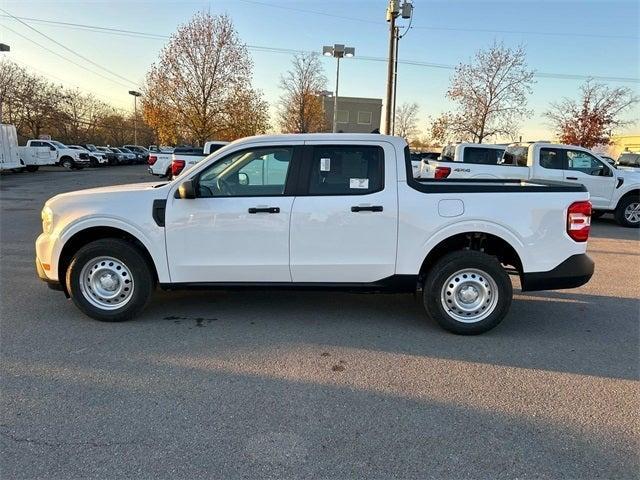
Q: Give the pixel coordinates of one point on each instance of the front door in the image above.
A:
(344, 221)
(597, 176)
(237, 229)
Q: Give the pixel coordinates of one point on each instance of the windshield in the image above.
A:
(91, 147)
(58, 144)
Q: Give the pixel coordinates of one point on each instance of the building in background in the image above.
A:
(355, 115)
(624, 143)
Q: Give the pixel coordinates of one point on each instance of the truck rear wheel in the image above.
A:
(628, 212)
(467, 292)
(109, 280)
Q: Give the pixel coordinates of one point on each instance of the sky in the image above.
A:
(597, 38)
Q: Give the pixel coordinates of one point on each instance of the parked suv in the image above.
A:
(96, 156)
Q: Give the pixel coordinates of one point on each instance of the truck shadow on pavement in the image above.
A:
(556, 331)
(157, 415)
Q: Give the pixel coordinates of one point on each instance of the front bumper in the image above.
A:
(53, 284)
(574, 272)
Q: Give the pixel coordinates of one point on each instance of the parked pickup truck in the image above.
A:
(612, 189)
(475, 153)
(64, 156)
(323, 211)
(170, 165)
(17, 158)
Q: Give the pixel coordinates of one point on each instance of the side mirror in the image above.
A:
(186, 190)
(52, 148)
(243, 178)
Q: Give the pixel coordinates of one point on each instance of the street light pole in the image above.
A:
(335, 97)
(338, 51)
(395, 82)
(3, 48)
(135, 114)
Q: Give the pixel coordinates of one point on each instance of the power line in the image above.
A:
(481, 30)
(290, 51)
(67, 48)
(66, 58)
(105, 99)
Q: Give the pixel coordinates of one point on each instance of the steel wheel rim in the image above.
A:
(632, 212)
(469, 295)
(106, 283)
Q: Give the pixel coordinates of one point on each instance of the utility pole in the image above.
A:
(394, 10)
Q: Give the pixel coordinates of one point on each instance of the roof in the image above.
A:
(327, 137)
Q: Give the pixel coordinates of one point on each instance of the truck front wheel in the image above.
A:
(467, 292)
(628, 212)
(109, 280)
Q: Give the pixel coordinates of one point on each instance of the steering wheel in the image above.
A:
(224, 187)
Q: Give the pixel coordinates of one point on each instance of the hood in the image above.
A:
(101, 193)
(630, 174)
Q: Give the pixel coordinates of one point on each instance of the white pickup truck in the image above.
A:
(612, 189)
(64, 156)
(170, 165)
(323, 211)
(14, 157)
(476, 153)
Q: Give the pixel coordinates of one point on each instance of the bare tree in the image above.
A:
(590, 120)
(197, 79)
(490, 94)
(300, 107)
(406, 120)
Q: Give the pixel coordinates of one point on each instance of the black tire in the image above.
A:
(141, 279)
(67, 163)
(445, 281)
(622, 214)
(93, 162)
(597, 213)
(32, 168)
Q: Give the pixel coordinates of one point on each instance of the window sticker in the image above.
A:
(359, 183)
(325, 164)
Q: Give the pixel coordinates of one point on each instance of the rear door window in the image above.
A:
(482, 156)
(346, 170)
(551, 158)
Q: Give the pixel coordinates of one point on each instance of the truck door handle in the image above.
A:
(264, 210)
(374, 208)
(572, 178)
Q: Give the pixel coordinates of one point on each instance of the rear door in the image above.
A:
(550, 164)
(344, 217)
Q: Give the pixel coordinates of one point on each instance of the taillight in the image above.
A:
(152, 159)
(442, 172)
(176, 167)
(579, 221)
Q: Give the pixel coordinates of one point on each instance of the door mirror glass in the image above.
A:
(187, 190)
(243, 178)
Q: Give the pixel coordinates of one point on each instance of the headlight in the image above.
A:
(47, 219)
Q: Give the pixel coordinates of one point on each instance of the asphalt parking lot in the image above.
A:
(308, 384)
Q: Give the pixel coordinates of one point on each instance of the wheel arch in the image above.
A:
(477, 240)
(634, 192)
(90, 234)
